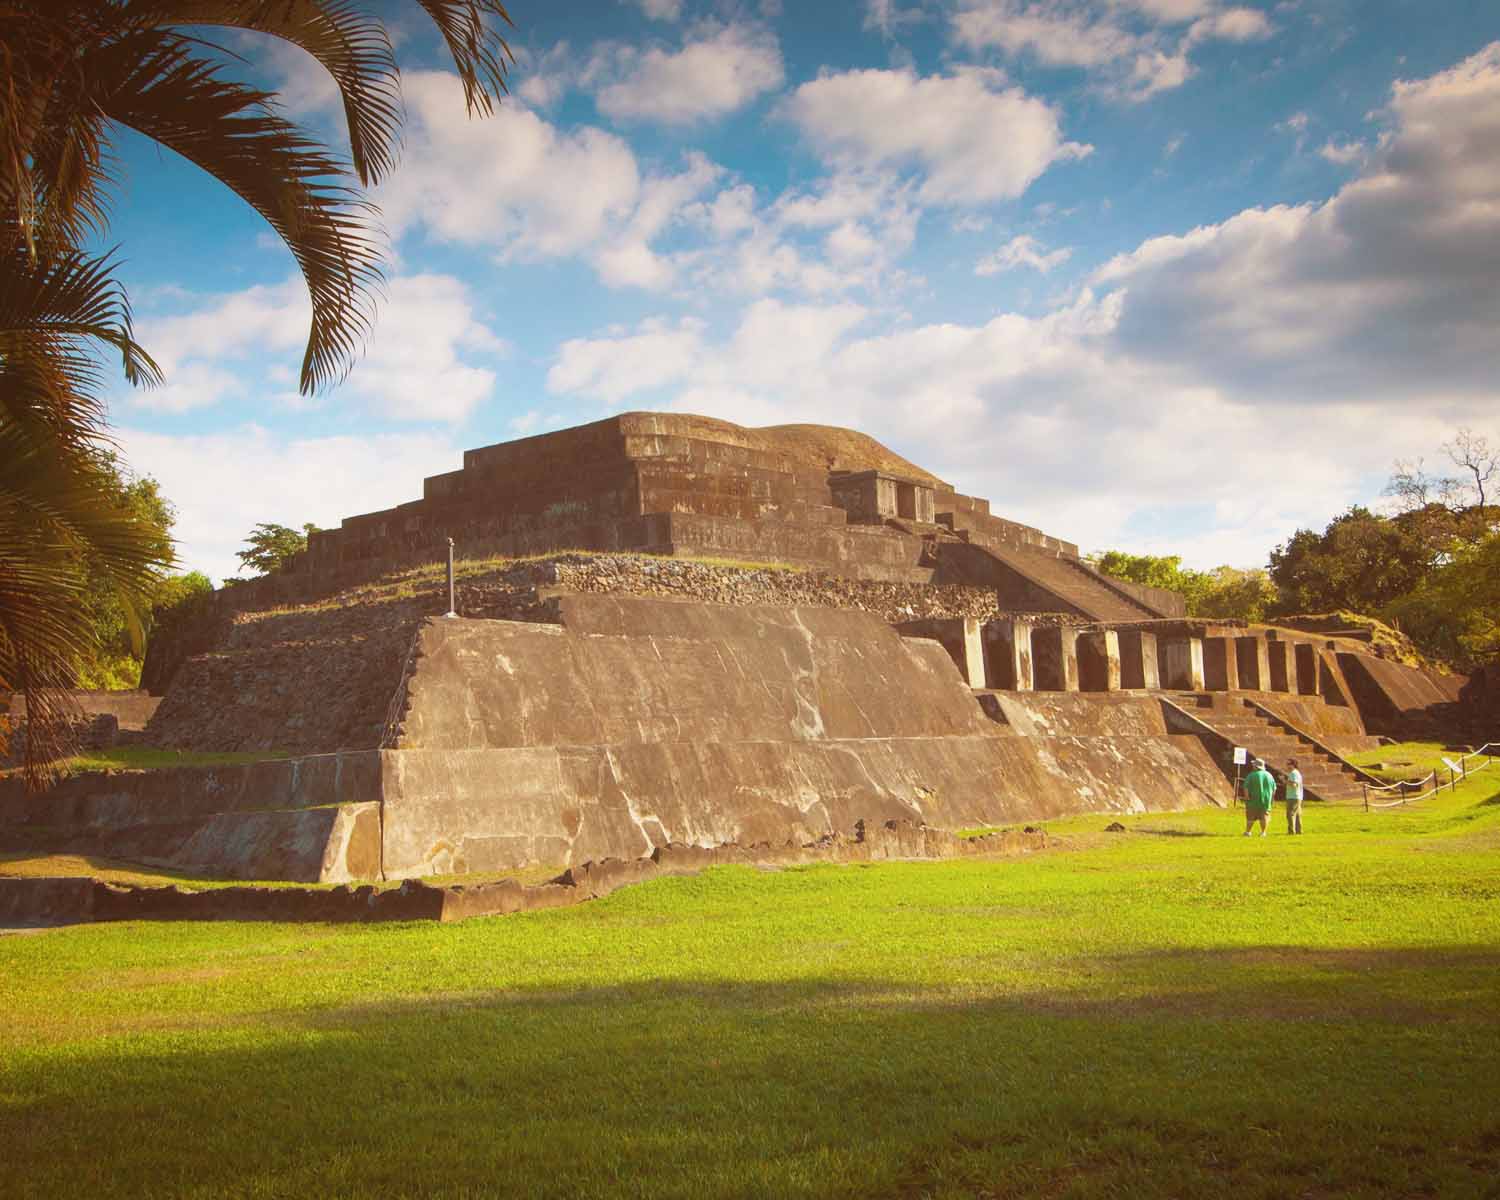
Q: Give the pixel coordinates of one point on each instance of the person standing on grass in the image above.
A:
(1293, 797)
(1260, 786)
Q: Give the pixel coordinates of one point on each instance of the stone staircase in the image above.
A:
(1069, 580)
(1076, 584)
(1325, 776)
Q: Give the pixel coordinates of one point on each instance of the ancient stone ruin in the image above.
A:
(722, 637)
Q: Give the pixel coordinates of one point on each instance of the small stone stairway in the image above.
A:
(1073, 583)
(1325, 776)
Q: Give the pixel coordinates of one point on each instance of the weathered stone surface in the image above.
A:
(1181, 661)
(1138, 659)
(1054, 653)
(1099, 660)
(707, 725)
(1008, 655)
(85, 899)
(45, 901)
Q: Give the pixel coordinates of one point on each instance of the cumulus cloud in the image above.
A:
(1341, 153)
(416, 365)
(962, 399)
(717, 72)
(844, 232)
(1131, 47)
(1386, 290)
(226, 483)
(973, 138)
(519, 185)
(1023, 251)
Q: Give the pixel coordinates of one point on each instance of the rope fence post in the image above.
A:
(1365, 788)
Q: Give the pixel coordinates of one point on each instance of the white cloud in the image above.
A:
(974, 139)
(1129, 47)
(886, 17)
(1022, 251)
(1385, 291)
(414, 367)
(717, 72)
(1231, 25)
(1052, 384)
(614, 367)
(1341, 153)
(226, 483)
(662, 10)
(512, 180)
(521, 186)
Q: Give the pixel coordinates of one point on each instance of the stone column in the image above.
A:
(1138, 660)
(1254, 663)
(1099, 661)
(1055, 658)
(1007, 655)
(1182, 663)
(973, 647)
(1221, 667)
(1283, 666)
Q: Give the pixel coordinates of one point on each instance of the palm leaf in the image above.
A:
(480, 54)
(156, 84)
(351, 46)
(57, 506)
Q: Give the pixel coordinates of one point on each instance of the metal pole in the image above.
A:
(452, 604)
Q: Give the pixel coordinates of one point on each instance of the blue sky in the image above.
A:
(1175, 276)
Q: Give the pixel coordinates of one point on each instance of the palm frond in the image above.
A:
(155, 83)
(480, 54)
(353, 47)
(56, 512)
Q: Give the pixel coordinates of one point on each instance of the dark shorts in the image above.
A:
(1255, 812)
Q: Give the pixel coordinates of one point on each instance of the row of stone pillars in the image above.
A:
(1019, 656)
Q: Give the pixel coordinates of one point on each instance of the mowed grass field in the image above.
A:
(1174, 1011)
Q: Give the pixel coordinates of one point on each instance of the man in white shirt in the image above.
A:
(1293, 797)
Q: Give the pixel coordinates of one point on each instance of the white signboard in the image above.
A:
(1453, 766)
(1241, 756)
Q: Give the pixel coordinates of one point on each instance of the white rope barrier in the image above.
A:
(1464, 772)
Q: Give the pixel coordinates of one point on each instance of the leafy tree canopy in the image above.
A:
(269, 546)
(1225, 592)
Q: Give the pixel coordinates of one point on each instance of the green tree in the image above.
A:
(74, 74)
(1232, 592)
(119, 623)
(271, 545)
(1362, 561)
(1454, 613)
(1223, 593)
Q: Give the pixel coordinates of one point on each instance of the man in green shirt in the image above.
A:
(1259, 786)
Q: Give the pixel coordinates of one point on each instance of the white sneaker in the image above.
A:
(1247, 833)
(1262, 833)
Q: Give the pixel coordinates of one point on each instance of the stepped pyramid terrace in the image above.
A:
(675, 631)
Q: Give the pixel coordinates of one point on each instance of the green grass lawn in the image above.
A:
(1173, 1011)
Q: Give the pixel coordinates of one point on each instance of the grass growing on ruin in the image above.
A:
(1171, 1011)
(143, 758)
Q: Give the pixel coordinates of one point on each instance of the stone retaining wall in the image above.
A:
(71, 900)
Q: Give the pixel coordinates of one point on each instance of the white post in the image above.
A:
(452, 605)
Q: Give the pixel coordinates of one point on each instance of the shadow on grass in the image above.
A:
(1193, 833)
(822, 1087)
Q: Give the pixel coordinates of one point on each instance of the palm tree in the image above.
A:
(73, 73)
